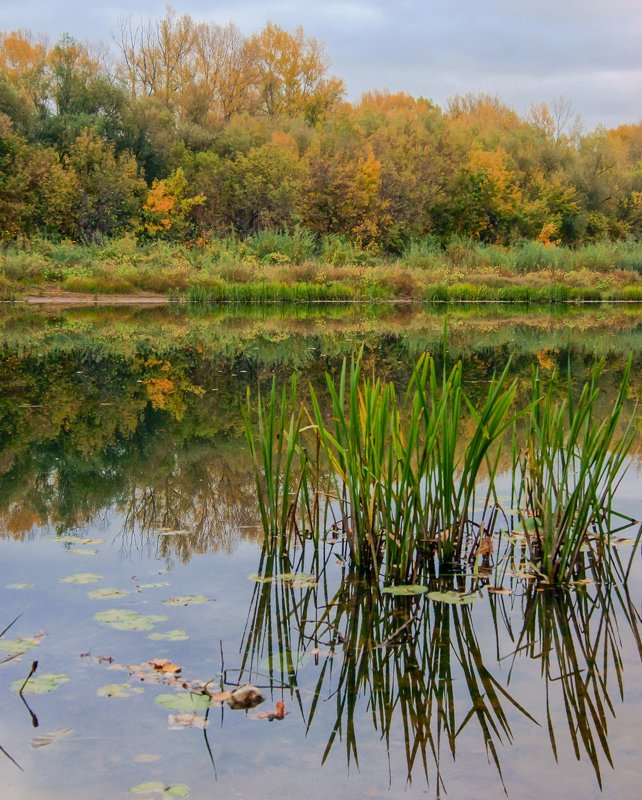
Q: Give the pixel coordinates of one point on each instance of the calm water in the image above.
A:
(122, 425)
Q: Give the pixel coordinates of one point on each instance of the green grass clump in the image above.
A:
(567, 473)
(399, 477)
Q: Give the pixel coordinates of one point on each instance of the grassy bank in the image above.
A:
(289, 267)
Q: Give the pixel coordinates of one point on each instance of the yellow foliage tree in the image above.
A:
(167, 208)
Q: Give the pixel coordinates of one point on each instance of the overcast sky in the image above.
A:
(527, 51)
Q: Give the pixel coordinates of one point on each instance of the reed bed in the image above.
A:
(410, 480)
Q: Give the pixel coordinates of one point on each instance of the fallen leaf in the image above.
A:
(147, 758)
(176, 722)
(485, 547)
(163, 665)
(158, 585)
(220, 697)
(278, 713)
(45, 739)
(19, 586)
(83, 551)
(170, 532)
(498, 590)
(246, 696)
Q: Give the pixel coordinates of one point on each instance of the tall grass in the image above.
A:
(567, 475)
(410, 481)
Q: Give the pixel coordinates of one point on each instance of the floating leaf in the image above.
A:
(43, 684)
(19, 586)
(147, 758)
(150, 786)
(45, 739)
(83, 551)
(259, 578)
(77, 540)
(82, 577)
(184, 702)
(106, 594)
(119, 690)
(176, 722)
(16, 647)
(527, 576)
(455, 598)
(622, 541)
(163, 665)
(153, 585)
(498, 590)
(175, 635)
(169, 532)
(187, 600)
(123, 619)
(405, 589)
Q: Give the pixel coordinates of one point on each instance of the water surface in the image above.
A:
(120, 425)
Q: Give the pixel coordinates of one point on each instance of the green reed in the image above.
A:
(567, 473)
(400, 475)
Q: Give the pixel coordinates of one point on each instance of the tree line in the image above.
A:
(190, 130)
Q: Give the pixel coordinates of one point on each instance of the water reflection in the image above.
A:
(138, 410)
(431, 671)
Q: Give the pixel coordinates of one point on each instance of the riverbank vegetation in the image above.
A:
(243, 153)
(297, 266)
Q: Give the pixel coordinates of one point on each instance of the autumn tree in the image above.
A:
(168, 207)
(157, 56)
(23, 60)
(292, 74)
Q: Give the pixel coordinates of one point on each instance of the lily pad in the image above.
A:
(158, 787)
(82, 578)
(175, 635)
(78, 540)
(16, 647)
(106, 594)
(259, 578)
(43, 684)
(184, 702)
(19, 586)
(187, 600)
(454, 598)
(405, 589)
(83, 551)
(119, 690)
(123, 619)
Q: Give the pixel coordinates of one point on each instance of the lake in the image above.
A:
(131, 546)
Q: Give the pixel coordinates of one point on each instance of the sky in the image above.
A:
(526, 51)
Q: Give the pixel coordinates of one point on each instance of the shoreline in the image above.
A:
(82, 299)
